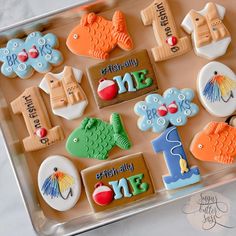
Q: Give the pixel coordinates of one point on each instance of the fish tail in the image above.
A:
(120, 135)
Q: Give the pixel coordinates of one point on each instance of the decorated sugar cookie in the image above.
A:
(68, 99)
(157, 112)
(118, 182)
(217, 89)
(94, 138)
(170, 43)
(215, 143)
(209, 34)
(59, 183)
(36, 53)
(180, 174)
(121, 79)
(96, 37)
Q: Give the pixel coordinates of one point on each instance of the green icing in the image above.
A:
(141, 80)
(94, 138)
(137, 185)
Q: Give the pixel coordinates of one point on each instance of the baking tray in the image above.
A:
(180, 72)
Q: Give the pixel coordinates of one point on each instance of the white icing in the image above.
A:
(217, 108)
(214, 49)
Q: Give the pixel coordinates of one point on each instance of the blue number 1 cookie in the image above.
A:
(37, 52)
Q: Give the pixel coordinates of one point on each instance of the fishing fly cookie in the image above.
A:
(209, 35)
(20, 58)
(157, 112)
(96, 37)
(59, 183)
(216, 85)
(170, 43)
(68, 99)
(180, 174)
(117, 182)
(122, 79)
(215, 143)
(94, 138)
(41, 133)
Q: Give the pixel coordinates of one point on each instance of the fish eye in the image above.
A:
(75, 36)
(200, 146)
(75, 140)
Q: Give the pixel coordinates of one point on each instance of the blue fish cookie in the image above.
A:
(20, 58)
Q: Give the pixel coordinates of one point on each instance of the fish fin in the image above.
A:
(224, 159)
(87, 123)
(120, 136)
(220, 127)
(88, 19)
(210, 128)
(84, 123)
(99, 54)
(102, 155)
(124, 40)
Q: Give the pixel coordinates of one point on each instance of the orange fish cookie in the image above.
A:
(216, 143)
(96, 37)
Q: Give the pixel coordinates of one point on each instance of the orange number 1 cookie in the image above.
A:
(169, 43)
(96, 37)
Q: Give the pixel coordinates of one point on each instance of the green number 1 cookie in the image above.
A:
(94, 138)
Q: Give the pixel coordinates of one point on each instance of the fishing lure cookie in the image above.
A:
(37, 53)
(117, 182)
(68, 99)
(94, 138)
(96, 37)
(216, 85)
(209, 35)
(59, 183)
(215, 143)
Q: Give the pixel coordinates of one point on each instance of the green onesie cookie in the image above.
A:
(95, 138)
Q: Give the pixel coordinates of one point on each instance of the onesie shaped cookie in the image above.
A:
(216, 85)
(170, 43)
(180, 173)
(20, 58)
(41, 133)
(96, 37)
(215, 143)
(68, 100)
(94, 138)
(209, 35)
(59, 183)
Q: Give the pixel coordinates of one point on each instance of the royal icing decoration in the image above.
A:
(217, 89)
(68, 100)
(215, 143)
(94, 138)
(180, 173)
(170, 44)
(96, 37)
(209, 34)
(117, 182)
(37, 52)
(59, 183)
(41, 133)
(157, 112)
(122, 79)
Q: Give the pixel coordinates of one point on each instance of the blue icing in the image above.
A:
(170, 144)
(37, 52)
(151, 119)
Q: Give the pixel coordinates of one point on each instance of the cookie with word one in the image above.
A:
(215, 143)
(209, 35)
(67, 98)
(59, 183)
(122, 79)
(94, 138)
(118, 182)
(157, 112)
(36, 53)
(170, 43)
(96, 36)
(216, 85)
(41, 133)
(180, 174)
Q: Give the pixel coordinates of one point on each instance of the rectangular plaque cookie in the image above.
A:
(122, 79)
(117, 182)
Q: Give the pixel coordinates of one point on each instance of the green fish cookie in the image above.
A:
(94, 138)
